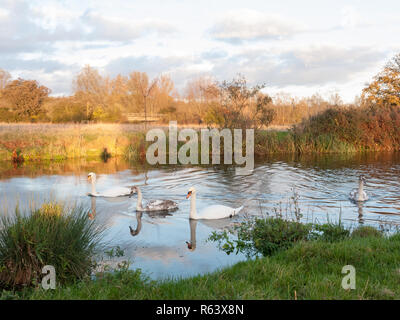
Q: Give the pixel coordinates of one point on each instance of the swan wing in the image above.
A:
(353, 195)
(218, 212)
(161, 205)
(114, 192)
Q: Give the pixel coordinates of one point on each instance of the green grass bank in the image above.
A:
(308, 270)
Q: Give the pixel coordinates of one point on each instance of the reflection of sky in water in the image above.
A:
(159, 248)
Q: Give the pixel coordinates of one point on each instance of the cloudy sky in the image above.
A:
(297, 47)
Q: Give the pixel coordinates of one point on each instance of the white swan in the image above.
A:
(211, 212)
(153, 205)
(359, 194)
(109, 193)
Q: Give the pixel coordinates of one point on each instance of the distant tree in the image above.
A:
(385, 89)
(25, 97)
(163, 94)
(4, 78)
(91, 89)
(240, 106)
(140, 85)
(199, 95)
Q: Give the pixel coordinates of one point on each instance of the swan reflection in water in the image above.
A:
(152, 215)
(92, 212)
(360, 212)
(192, 244)
(218, 224)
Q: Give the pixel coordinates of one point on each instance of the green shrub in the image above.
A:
(366, 231)
(263, 236)
(272, 234)
(51, 235)
(331, 232)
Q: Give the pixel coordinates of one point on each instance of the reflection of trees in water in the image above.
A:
(67, 167)
(320, 161)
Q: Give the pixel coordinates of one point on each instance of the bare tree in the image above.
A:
(90, 87)
(139, 82)
(4, 78)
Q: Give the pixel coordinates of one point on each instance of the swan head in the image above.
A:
(133, 232)
(91, 176)
(190, 246)
(361, 178)
(191, 191)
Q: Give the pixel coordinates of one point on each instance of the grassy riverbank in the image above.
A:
(300, 261)
(336, 130)
(308, 270)
(69, 141)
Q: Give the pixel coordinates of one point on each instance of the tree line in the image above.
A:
(98, 98)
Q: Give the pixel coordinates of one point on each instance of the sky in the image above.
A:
(296, 47)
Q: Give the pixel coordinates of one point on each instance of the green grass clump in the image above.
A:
(52, 235)
(331, 232)
(366, 231)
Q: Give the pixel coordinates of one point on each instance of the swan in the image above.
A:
(359, 194)
(153, 205)
(212, 212)
(109, 193)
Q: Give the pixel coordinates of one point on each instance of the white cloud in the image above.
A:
(314, 65)
(351, 18)
(237, 26)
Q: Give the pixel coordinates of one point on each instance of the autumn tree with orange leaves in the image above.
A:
(25, 97)
(385, 89)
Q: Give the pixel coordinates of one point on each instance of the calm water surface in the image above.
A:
(322, 184)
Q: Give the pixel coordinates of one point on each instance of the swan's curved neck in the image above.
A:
(139, 200)
(193, 212)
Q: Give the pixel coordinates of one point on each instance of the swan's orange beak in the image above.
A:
(89, 177)
(189, 194)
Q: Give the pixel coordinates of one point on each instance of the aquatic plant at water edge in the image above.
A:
(51, 235)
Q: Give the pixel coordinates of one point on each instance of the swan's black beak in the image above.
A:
(189, 245)
(188, 194)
